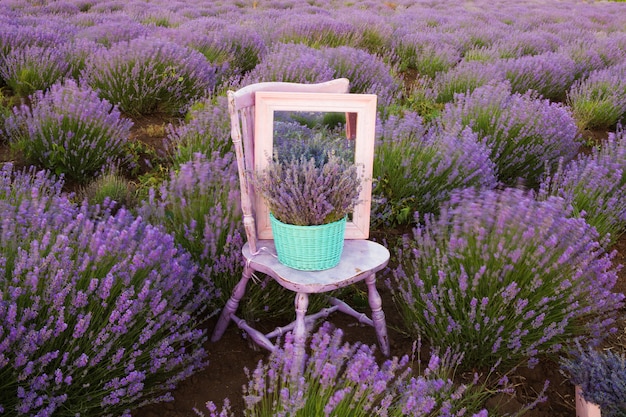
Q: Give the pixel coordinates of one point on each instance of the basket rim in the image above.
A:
(299, 226)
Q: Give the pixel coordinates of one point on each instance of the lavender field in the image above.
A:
(499, 188)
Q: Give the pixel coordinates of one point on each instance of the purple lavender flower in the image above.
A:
(69, 130)
(291, 63)
(485, 246)
(342, 379)
(595, 186)
(416, 169)
(525, 133)
(367, 73)
(550, 74)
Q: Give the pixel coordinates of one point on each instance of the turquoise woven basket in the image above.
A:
(308, 248)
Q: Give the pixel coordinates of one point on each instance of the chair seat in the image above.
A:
(359, 259)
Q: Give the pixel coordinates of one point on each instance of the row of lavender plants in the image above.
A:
(478, 98)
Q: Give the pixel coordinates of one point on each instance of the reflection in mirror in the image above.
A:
(311, 135)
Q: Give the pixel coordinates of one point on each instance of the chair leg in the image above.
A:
(231, 305)
(299, 334)
(378, 316)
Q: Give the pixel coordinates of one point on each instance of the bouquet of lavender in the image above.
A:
(602, 378)
(307, 191)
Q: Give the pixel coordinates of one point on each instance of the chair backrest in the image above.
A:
(241, 105)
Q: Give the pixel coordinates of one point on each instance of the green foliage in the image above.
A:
(5, 111)
(206, 130)
(423, 103)
(427, 60)
(416, 170)
(30, 69)
(372, 41)
(598, 105)
(110, 187)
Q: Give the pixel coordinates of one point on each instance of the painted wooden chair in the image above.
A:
(360, 260)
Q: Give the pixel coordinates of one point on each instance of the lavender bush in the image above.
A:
(322, 31)
(550, 74)
(111, 31)
(342, 379)
(595, 185)
(416, 169)
(465, 78)
(527, 43)
(505, 279)
(367, 73)
(206, 130)
(97, 316)
(16, 37)
(525, 134)
(148, 75)
(591, 54)
(426, 55)
(599, 101)
(78, 52)
(33, 68)
(290, 62)
(69, 130)
(601, 376)
(199, 206)
(238, 47)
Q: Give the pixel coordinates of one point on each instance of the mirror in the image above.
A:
(347, 121)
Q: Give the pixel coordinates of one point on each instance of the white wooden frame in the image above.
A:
(363, 105)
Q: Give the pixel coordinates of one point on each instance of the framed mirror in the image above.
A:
(356, 113)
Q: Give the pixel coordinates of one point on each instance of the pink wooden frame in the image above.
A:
(584, 408)
(361, 105)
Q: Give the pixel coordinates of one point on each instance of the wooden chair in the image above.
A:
(360, 260)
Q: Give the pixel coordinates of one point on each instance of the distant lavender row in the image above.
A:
(534, 46)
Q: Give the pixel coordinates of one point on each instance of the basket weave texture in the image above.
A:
(308, 248)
